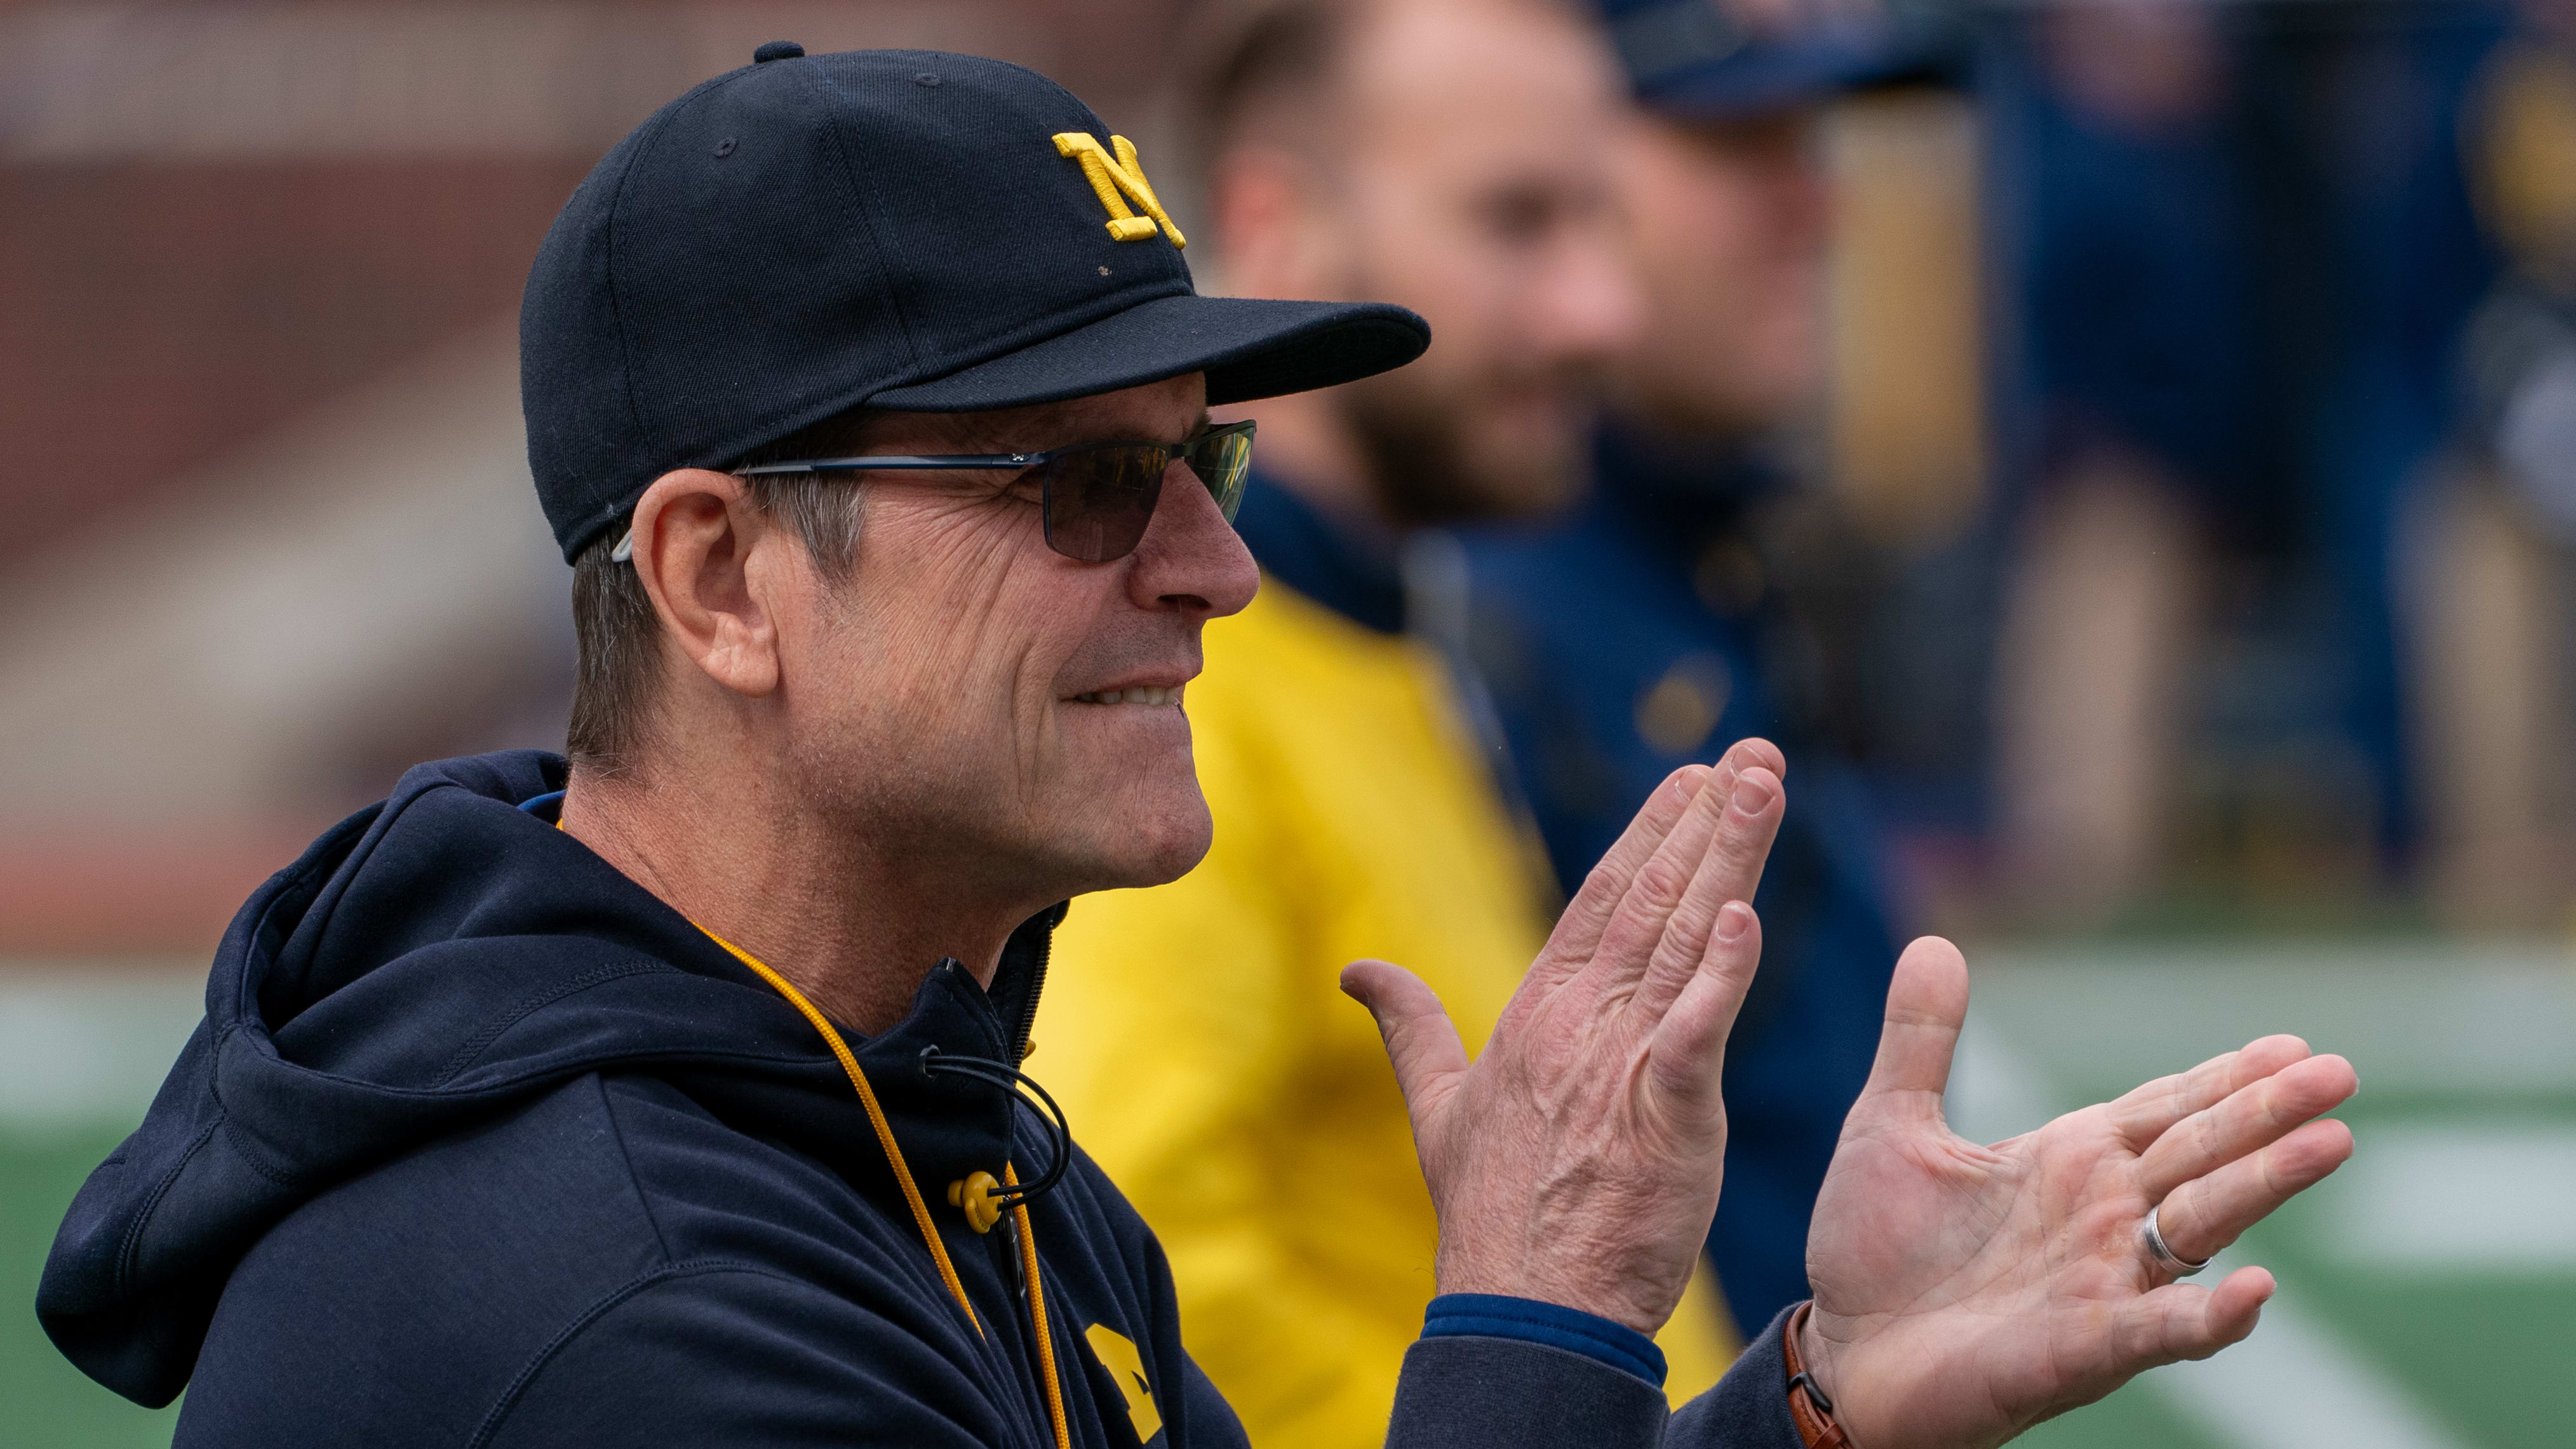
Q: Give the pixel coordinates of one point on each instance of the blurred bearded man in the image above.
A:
(1650, 628)
(1445, 154)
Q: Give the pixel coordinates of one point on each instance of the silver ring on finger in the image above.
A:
(2159, 1252)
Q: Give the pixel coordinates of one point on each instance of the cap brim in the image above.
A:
(1775, 77)
(1248, 347)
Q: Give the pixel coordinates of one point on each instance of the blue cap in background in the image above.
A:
(1695, 59)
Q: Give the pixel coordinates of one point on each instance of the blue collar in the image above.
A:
(1347, 565)
(1682, 490)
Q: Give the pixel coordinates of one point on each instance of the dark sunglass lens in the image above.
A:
(1223, 461)
(1099, 500)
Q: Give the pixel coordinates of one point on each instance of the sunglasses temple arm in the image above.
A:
(962, 462)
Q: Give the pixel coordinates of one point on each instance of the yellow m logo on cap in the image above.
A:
(1118, 180)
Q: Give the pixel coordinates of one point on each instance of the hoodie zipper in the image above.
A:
(1025, 956)
(1026, 1239)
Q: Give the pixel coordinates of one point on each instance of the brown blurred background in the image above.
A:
(259, 273)
(270, 538)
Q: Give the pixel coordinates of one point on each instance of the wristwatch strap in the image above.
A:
(1809, 1409)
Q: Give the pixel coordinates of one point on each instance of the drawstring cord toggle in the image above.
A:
(980, 1195)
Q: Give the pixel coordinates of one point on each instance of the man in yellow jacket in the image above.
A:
(1446, 154)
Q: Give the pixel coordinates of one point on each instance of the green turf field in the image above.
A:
(80, 1056)
(50, 1403)
(2428, 1291)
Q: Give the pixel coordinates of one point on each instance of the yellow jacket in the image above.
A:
(1200, 1044)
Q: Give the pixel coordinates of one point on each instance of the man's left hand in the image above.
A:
(1965, 1293)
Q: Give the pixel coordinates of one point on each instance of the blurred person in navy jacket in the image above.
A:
(1641, 632)
(2235, 253)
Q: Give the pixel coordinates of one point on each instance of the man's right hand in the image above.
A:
(1578, 1160)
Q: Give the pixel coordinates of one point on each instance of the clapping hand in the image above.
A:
(1578, 1160)
(1964, 1292)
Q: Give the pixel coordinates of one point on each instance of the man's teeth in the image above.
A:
(1143, 694)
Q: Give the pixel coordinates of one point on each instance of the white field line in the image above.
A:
(2449, 1018)
(2448, 1199)
(2290, 1386)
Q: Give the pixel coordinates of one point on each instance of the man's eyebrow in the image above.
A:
(1105, 432)
(1114, 433)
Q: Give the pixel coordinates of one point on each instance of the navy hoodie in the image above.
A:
(481, 1143)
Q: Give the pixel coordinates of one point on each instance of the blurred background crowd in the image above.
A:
(2130, 460)
(2185, 495)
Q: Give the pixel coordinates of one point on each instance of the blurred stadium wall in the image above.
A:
(270, 537)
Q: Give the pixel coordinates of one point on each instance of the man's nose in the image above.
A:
(1190, 558)
(1805, 203)
(1590, 304)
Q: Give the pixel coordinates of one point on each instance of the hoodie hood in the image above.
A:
(434, 960)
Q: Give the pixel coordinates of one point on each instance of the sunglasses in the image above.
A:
(1096, 498)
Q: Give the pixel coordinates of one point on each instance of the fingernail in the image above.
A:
(1732, 921)
(1752, 792)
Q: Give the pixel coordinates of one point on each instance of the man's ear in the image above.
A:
(697, 546)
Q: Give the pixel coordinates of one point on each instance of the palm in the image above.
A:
(1977, 1290)
(2034, 1234)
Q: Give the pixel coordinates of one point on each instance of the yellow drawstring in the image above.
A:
(920, 1209)
(876, 1118)
(912, 1191)
(1038, 1315)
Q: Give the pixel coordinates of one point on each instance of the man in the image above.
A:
(1645, 631)
(1445, 154)
(505, 1129)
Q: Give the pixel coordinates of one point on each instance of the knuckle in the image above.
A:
(1662, 883)
(2172, 1096)
(1669, 960)
(2180, 1215)
(1600, 886)
(2281, 1108)
(1695, 914)
(2277, 1183)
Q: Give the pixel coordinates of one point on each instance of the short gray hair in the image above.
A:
(617, 676)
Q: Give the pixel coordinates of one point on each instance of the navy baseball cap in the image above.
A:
(1698, 59)
(899, 229)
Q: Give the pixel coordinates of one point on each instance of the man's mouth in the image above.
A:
(1134, 694)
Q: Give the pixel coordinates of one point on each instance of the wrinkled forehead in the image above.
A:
(1167, 411)
(1461, 98)
(1470, 65)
